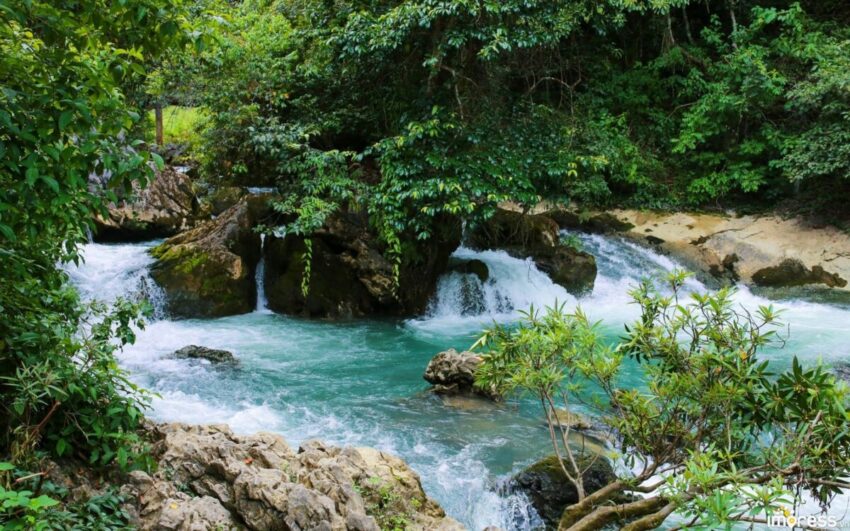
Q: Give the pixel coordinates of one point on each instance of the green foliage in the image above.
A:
(66, 68)
(27, 501)
(422, 108)
(21, 509)
(181, 125)
(731, 439)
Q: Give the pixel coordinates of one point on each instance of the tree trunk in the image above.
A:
(602, 516)
(157, 111)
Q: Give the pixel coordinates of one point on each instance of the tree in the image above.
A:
(66, 67)
(712, 435)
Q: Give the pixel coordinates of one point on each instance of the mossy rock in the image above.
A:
(209, 271)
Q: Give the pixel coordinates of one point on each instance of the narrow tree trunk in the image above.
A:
(734, 23)
(157, 111)
(687, 25)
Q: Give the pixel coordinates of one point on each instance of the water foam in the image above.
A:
(110, 271)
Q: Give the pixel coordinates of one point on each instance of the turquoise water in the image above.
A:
(360, 382)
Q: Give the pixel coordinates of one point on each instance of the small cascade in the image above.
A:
(108, 272)
(463, 300)
(259, 278)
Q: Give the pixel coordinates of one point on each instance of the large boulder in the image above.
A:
(165, 207)
(453, 373)
(536, 235)
(208, 476)
(549, 490)
(209, 270)
(349, 274)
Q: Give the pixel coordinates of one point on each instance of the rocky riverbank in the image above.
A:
(207, 477)
(765, 250)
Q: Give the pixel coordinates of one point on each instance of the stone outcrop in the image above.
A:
(764, 250)
(209, 271)
(536, 235)
(165, 207)
(205, 353)
(549, 490)
(209, 478)
(453, 373)
(350, 275)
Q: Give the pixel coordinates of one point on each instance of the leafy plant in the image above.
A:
(67, 69)
(712, 434)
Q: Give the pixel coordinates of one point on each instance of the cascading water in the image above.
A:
(360, 382)
(463, 302)
(113, 271)
(260, 279)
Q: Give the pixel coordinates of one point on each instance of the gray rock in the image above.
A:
(167, 206)
(208, 477)
(350, 272)
(453, 373)
(205, 353)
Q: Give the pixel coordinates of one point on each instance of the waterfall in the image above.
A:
(259, 278)
(108, 272)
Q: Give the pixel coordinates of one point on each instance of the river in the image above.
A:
(359, 382)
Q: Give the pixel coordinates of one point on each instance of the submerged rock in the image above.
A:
(165, 207)
(470, 267)
(536, 235)
(350, 275)
(207, 477)
(573, 421)
(549, 490)
(842, 371)
(453, 373)
(205, 353)
(209, 270)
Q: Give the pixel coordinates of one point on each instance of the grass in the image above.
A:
(180, 125)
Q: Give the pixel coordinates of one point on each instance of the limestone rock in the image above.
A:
(209, 270)
(765, 250)
(536, 235)
(349, 273)
(165, 207)
(205, 353)
(573, 421)
(453, 373)
(207, 478)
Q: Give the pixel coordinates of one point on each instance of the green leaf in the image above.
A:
(65, 118)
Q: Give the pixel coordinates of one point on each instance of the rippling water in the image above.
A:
(360, 382)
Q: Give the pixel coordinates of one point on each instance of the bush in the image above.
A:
(713, 434)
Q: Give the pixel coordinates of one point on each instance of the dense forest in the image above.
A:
(421, 114)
